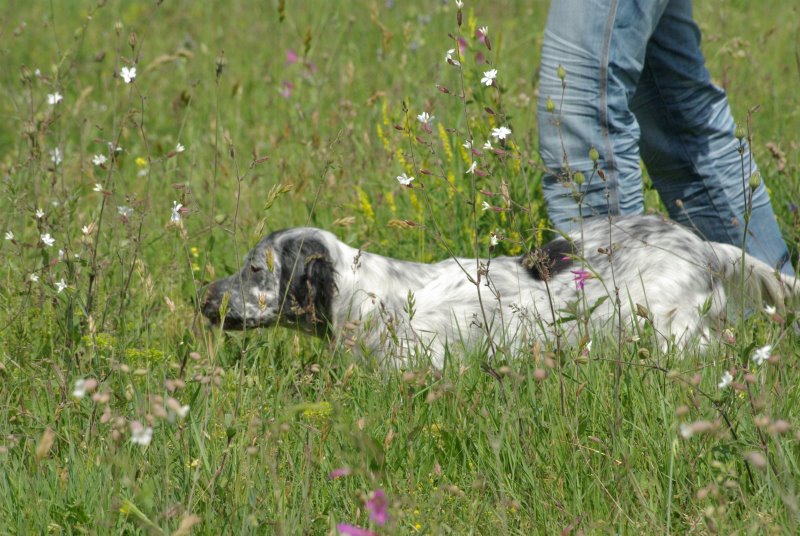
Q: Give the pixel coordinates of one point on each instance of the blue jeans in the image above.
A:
(637, 88)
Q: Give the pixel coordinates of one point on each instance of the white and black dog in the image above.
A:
(630, 268)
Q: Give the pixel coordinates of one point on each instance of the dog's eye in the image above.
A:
(255, 268)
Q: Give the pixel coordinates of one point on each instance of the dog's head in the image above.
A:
(287, 279)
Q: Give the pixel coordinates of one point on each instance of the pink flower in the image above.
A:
(462, 45)
(378, 507)
(352, 530)
(286, 89)
(580, 277)
(340, 472)
(291, 56)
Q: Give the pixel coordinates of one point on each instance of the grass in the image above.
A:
(288, 117)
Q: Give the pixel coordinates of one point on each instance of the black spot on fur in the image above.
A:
(307, 283)
(552, 258)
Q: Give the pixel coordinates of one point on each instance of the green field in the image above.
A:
(303, 113)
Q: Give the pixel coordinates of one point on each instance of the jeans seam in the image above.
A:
(613, 198)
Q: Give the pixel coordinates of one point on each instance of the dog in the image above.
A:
(624, 271)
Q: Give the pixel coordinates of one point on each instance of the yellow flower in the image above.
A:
(141, 162)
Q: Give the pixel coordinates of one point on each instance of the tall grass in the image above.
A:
(288, 115)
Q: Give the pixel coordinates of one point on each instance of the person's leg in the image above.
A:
(689, 146)
(601, 44)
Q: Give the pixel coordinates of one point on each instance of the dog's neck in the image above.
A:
(368, 284)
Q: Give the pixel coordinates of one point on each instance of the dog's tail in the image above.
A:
(761, 282)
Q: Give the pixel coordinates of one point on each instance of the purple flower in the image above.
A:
(378, 507)
(291, 56)
(580, 277)
(338, 473)
(352, 530)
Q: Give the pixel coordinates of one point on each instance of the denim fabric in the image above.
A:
(637, 89)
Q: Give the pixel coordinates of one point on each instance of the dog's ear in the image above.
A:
(307, 282)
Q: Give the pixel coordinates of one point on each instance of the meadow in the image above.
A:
(147, 145)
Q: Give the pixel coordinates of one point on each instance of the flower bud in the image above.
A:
(132, 40)
(594, 155)
(741, 132)
(578, 178)
(561, 72)
(550, 106)
(755, 180)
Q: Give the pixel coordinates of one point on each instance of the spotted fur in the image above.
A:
(631, 268)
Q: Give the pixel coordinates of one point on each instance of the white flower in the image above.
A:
(686, 430)
(484, 30)
(472, 167)
(588, 347)
(98, 187)
(770, 310)
(176, 212)
(33, 278)
(485, 206)
(129, 75)
(54, 98)
(726, 380)
(459, 4)
(501, 133)
(467, 145)
(79, 391)
(488, 145)
(449, 57)
(87, 229)
(488, 77)
(9, 235)
(39, 214)
(762, 354)
(179, 148)
(494, 240)
(55, 156)
(404, 179)
(99, 159)
(61, 255)
(124, 211)
(61, 285)
(47, 240)
(140, 434)
(425, 118)
(38, 73)
(114, 148)
(183, 411)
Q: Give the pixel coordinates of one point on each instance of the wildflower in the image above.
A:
(770, 310)
(125, 212)
(140, 434)
(87, 229)
(501, 133)
(488, 80)
(39, 214)
(493, 240)
(762, 354)
(404, 179)
(56, 157)
(179, 148)
(686, 431)
(141, 162)
(459, 4)
(580, 277)
(425, 118)
(33, 278)
(449, 57)
(485, 206)
(338, 473)
(484, 30)
(472, 167)
(286, 89)
(176, 212)
(54, 98)
(9, 235)
(726, 380)
(587, 348)
(61, 285)
(467, 145)
(291, 57)
(99, 159)
(128, 74)
(98, 187)
(378, 507)
(114, 148)
(181, 411)
(352, 530)
(488, 145)
(83, 386)
(47, 240)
